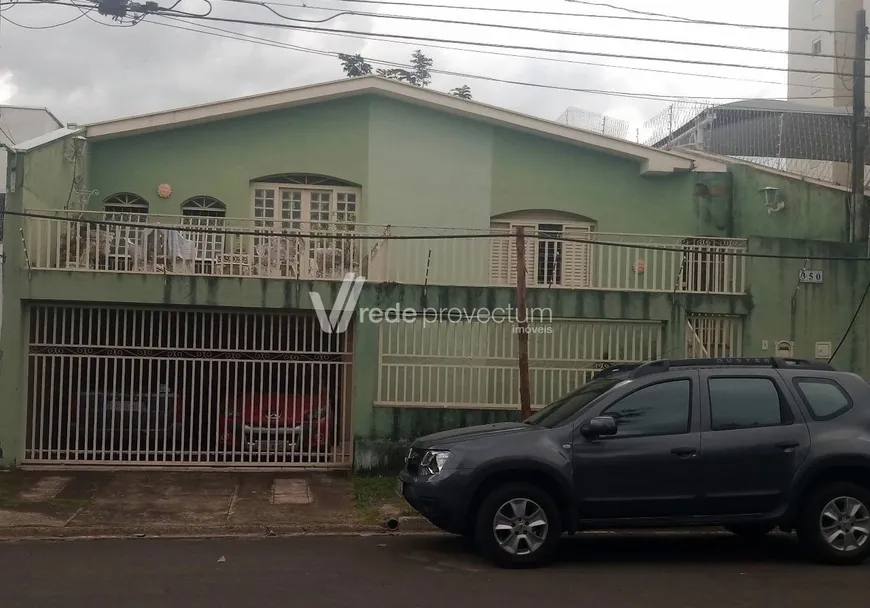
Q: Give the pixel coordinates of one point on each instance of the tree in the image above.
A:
(354, 65)
(396, 74)
(420, 74)
(463, 92)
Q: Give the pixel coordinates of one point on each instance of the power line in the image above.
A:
(552, 59)
(41, 27)
(539, 30)
(377, 35)
(268, 42)
(851, 323)
(416, 237)
(689, 20)
(649, 18)
(521, 56)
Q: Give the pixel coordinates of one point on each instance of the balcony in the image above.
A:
(328, 250)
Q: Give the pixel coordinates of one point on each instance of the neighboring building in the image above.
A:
(17, 124)
(20, 123)
(813, 141)
(594, 122)
(164, 312)
(822, 75)
(824, 87)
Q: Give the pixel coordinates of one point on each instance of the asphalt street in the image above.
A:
(419, 571)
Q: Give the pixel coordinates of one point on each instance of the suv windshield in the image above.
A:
(559, 411)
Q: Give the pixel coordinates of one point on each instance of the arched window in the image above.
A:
(305, 202)
(126, 203)
(205, 212)
(124, 207)
(203, 206)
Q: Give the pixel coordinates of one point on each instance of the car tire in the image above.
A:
(831, 512)
(530, 540)
(750, 531)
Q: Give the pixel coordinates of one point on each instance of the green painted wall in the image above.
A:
(427, 168)
(811, 212)
(443, 179)
(220, 159)
(785, 309)
(531, 172)
(46, 177)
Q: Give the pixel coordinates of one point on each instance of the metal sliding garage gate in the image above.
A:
(141, 386)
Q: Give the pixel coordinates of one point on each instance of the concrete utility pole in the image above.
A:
(860, 213)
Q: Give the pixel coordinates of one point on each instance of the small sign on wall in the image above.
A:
(812, 276)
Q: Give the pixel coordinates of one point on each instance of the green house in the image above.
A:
(162, 275)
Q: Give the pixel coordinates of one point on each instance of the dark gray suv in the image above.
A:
(748, 444)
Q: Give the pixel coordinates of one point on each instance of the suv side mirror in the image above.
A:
(600, 426)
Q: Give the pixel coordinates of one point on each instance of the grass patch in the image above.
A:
(371, 493)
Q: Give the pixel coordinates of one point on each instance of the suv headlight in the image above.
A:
(433, 461)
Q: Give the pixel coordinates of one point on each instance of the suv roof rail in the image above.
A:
(615, 368)
(663, 365)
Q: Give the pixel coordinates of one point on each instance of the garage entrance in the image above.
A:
(143, 386)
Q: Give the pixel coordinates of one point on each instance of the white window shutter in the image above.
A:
(503, 254)
(499, 253)
(577, 257)
(531, 253)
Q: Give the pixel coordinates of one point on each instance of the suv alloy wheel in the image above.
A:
(835, 524)
(518, 524)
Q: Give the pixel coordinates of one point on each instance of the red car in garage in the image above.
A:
(278, 423)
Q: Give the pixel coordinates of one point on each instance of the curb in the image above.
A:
(407, 525)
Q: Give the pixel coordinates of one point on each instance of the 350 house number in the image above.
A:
(812, 276)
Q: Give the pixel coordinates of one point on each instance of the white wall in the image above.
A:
(826, 89)
(17, 125)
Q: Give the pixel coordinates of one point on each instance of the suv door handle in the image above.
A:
(787, 445)
(684, 452)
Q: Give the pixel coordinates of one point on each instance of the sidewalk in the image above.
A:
(100, 504)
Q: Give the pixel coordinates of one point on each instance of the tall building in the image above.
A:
(821, 75)
(826, 81)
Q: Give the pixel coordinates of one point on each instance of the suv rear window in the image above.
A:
(825, 399)
(745, 403)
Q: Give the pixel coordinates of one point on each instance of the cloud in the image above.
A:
(90, 70)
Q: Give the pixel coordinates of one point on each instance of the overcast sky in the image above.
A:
(91, 69)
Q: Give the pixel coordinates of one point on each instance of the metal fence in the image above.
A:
(471, 364)
(128, 385)
(218, 246)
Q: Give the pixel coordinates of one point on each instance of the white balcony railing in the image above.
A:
(217, 246)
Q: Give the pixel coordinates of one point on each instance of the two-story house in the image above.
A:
(161, 296)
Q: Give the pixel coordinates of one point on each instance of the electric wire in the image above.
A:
(544, 235)
(380, 35)
(42, 27)
(230, 35)
(551, 59)
(538, 30)
(521, 56)
(851, 323)
(689, 20)
(649, 18)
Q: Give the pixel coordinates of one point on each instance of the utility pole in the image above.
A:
(860, 213)
(522, 327)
